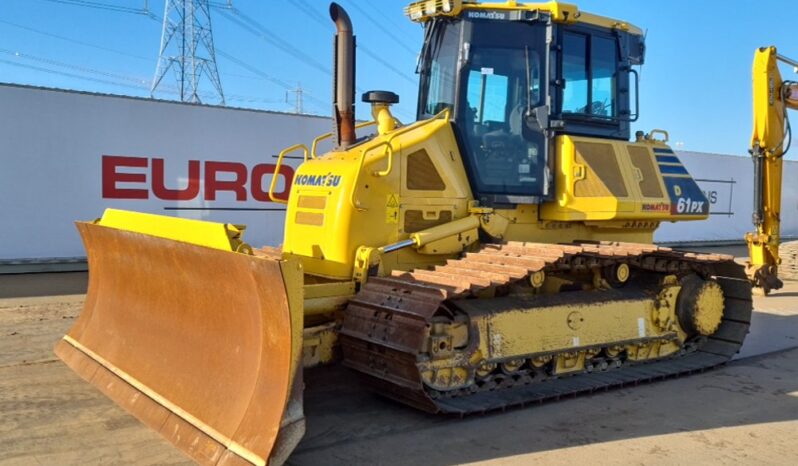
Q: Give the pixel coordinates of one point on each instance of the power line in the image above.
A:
(133, 82)
(252, 69)
(258, 73)
(84, 69)
(69, 75)
(387, 31)
(119, 52)
(152, 16)
(311, 13)
(103, 6)
(258, 29)
(250, 25)
(308, 10)
(388, 65)
(241, 19)
(144, 87)
(75, 41)
(285, 85)
(373, 6)
(139, 82)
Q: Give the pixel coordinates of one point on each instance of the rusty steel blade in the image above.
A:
(200, 344)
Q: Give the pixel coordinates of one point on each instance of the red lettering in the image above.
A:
(260, 187)
(261, 178)
(213, 185)
(162, 192)
(111, 177)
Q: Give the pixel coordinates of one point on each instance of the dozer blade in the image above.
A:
(200, 343)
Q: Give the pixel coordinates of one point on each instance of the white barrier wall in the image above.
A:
(66, 156)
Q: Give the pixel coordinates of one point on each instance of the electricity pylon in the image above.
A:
(187, 49)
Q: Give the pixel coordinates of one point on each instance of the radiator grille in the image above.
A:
(415, 221)
(642, 159)
(421, 173)
(601, 159)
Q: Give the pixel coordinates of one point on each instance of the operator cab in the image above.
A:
(488, 67)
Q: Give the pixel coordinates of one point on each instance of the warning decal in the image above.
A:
(392, 209)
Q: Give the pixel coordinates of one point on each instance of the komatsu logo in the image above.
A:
(329, 180)
(656, 207)
(486, 15)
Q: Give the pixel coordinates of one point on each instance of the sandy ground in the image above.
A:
(744, 413)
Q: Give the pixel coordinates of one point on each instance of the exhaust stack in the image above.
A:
(343, 78)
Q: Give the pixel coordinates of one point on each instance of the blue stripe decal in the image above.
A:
(658, 150)
(668, 159)
(672, 170)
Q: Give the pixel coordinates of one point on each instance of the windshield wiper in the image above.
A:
(528, 82)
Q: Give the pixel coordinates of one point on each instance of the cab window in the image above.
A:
(439, 89)
(501, 84)
(487, 95)
(590, 70)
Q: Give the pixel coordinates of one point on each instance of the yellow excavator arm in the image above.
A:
(770, 140)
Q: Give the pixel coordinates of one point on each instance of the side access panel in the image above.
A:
(601, 180)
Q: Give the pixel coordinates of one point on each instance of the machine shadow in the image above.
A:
(33, 285)
(347, 424)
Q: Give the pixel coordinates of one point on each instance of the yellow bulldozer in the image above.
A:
(496, 252)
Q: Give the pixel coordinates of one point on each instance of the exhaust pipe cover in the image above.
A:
(343, 78)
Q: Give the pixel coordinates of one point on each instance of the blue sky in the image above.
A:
(695, 84)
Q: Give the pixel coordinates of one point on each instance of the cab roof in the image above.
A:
(567, 13)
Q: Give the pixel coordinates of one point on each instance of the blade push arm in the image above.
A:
(769, 142)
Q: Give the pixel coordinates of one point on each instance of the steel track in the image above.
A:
(386, 324)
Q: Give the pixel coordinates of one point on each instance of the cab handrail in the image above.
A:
(325, 136)
(276, 173)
